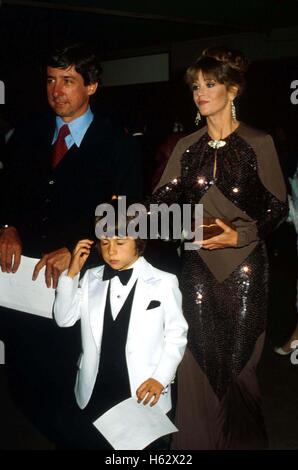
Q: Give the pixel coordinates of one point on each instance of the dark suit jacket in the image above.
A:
(55, 208)
(51, 209)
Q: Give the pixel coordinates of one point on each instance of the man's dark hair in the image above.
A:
(82, 57)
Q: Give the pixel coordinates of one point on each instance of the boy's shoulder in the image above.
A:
(97, 271)
(160, 273)
(145, 270)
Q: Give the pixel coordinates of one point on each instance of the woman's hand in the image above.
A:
(227, 239)
(79, 257)
(151, 388)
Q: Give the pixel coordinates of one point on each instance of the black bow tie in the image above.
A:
(124, 275)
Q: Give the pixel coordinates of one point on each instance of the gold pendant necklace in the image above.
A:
(216, 144)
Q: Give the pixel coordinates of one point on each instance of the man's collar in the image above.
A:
(77, 127)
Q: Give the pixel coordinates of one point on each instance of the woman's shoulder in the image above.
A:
(190, 139)
(251, 134)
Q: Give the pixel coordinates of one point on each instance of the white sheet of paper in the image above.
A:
(133, 426)
(19, 292)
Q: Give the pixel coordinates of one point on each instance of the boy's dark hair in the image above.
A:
(82, 57)
(140, 246)
(121, 225)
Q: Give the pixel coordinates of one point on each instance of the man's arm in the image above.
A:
(11, 199)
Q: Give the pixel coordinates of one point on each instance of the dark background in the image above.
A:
(117, 29)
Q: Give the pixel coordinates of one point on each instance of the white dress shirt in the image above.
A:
(119, 292)
(77, 128)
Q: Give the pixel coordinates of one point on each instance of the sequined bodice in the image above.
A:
(236, 173)
(236, 177)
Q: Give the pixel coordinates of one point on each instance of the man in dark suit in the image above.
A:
(60, 168)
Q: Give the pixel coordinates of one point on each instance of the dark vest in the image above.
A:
(112, 381)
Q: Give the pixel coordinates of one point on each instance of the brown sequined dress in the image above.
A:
(225, 290)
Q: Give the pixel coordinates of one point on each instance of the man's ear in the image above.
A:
(92, 88)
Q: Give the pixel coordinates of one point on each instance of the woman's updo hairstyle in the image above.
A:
(225, 65)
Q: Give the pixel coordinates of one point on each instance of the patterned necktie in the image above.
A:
(124, 275)
(60, 147)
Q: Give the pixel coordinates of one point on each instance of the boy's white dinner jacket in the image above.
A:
(156, 337)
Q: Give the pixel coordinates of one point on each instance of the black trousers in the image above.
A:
(78, 432)
(41, 366)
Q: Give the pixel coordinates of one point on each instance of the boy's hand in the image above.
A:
(151, 388)
(79, 257)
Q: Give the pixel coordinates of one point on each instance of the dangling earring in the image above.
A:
(233, 111)
(198, 118)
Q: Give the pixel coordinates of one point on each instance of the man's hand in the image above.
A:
(79, 257)
(55, 262)
(151, 388)
(10, 249)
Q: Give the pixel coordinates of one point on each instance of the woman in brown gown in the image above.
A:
(233, 170)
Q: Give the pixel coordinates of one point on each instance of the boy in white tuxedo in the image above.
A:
(133, 332)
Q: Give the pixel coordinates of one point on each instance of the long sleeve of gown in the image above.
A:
(275, 205)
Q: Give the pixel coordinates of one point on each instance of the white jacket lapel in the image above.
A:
(97, 301)
(144, 293)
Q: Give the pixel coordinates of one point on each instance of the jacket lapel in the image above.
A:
(144, 293)
(97, 294)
